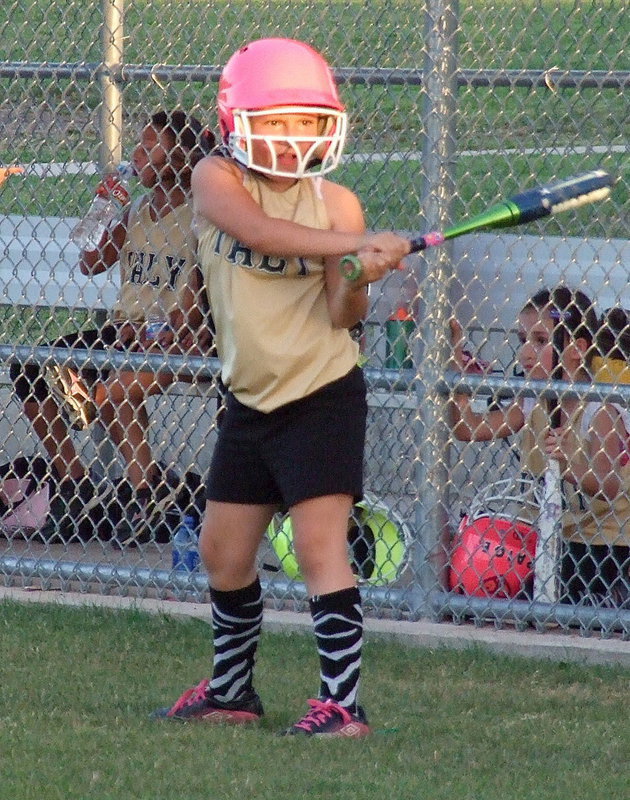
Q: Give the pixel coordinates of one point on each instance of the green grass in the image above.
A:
(481, 180)
(385, 34)
(484, 180)
(24, 325)
(77, 686)
(531, 34)
(66, 195)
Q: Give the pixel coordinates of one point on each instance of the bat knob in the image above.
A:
(351, 268)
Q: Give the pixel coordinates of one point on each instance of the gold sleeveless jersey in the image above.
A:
(274, 335)
(156, 262)
(585, 519)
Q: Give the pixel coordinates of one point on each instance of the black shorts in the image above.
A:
(309, 448)
(596, 569)
(27, 378)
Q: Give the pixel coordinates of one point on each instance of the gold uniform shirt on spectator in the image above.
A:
(585, 519)
(156, 262)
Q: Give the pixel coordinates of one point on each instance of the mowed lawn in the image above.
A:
(78, 686)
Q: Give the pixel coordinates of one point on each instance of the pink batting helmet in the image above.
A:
(282, 74)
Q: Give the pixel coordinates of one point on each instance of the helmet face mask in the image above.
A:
(282, 76)
(314, 155)
(495, 545)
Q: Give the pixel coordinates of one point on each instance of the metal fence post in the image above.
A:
(110, 77)
(431, 431)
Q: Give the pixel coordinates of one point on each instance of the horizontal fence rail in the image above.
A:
(375, 76)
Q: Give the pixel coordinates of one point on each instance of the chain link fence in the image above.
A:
(452, 108)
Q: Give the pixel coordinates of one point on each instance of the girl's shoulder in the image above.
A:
(214, 171)
(219, 161)
(342, 204)
(214, 176)
(611, 410)
(334, 190)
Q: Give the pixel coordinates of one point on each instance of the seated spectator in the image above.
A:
(591, 444)
(155, 248)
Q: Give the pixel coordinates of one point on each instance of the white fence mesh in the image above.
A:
(448, 116)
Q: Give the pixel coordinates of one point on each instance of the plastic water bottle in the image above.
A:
(186, 545)
(399, 331)
(157, 324)
(111, 195)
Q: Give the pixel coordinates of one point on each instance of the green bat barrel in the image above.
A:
(501, 215)
(539, 202)
(524, 207)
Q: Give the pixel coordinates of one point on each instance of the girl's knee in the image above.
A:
(214, 553)
(321, 555)
(226, 565)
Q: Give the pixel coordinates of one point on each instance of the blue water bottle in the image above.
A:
(186, 545)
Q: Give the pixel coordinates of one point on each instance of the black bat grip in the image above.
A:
(417, 244)
(432, 239)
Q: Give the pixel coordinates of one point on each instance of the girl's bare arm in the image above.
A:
(220, 197)
(594, 469)
(93, 262)
(188, 320)
(469, 425)
(348, 300)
